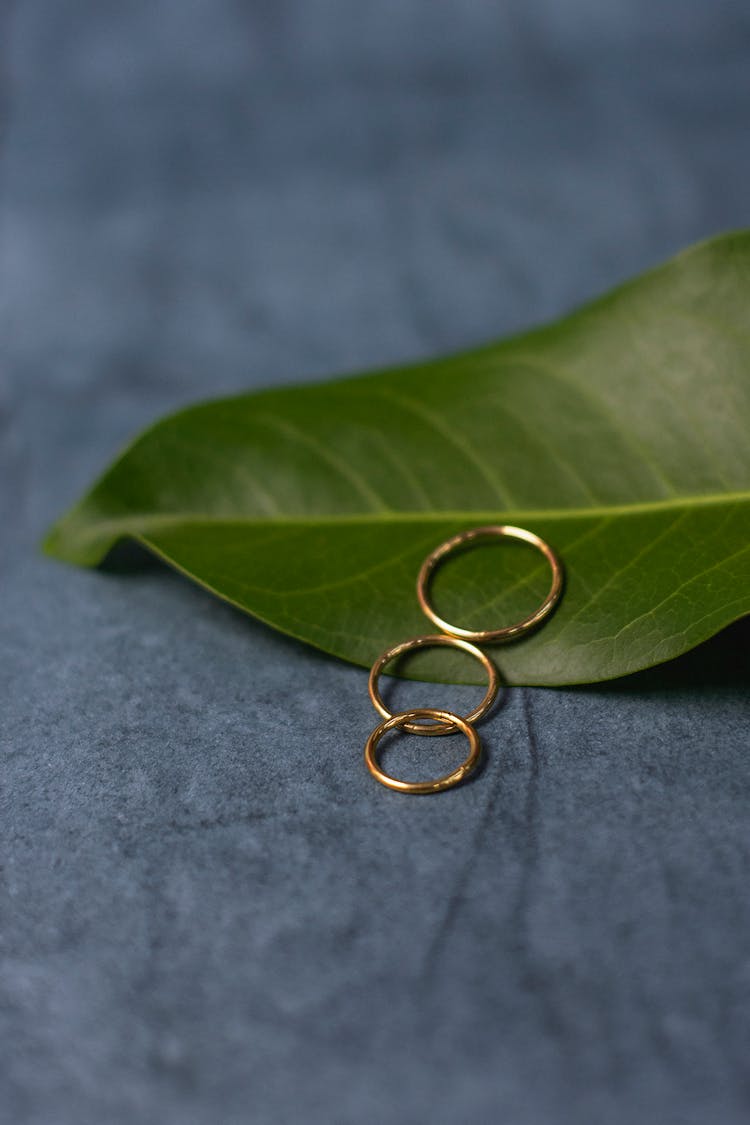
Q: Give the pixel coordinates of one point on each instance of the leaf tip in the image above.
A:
(67, 543)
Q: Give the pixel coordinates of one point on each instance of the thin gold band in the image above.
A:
(448, 780)
(510, 632)
(426, 642)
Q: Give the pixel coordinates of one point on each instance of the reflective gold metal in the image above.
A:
(448, 780)
(509, 632)
(425, 642)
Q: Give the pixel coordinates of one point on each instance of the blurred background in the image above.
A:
(205, 196)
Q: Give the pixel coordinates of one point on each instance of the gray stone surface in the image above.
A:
(210, 913)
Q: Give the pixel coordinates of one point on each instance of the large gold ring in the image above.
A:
(454, 722)
(424, 642)
(501, 531)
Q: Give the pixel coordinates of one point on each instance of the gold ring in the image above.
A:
(501, 531)
(424, 642)
(435, 786)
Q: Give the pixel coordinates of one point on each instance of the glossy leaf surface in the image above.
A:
(621, 434)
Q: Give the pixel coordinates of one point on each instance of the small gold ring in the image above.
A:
(510, 631)
(455, 722)
(424, 642)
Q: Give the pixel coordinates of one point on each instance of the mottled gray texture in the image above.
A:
(210, 912)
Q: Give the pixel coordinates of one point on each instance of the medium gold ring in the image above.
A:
(448, 780)
(500, 531)
(425, 642)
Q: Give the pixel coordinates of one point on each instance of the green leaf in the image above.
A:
(620, 434)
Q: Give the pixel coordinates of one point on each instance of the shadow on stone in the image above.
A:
(129, 557)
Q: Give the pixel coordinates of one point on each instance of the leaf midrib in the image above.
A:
(151, 519)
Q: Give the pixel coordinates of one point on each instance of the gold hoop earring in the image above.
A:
(448, 780)
(509, 632)
(426, 642)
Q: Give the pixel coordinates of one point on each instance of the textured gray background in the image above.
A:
(210, 913)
